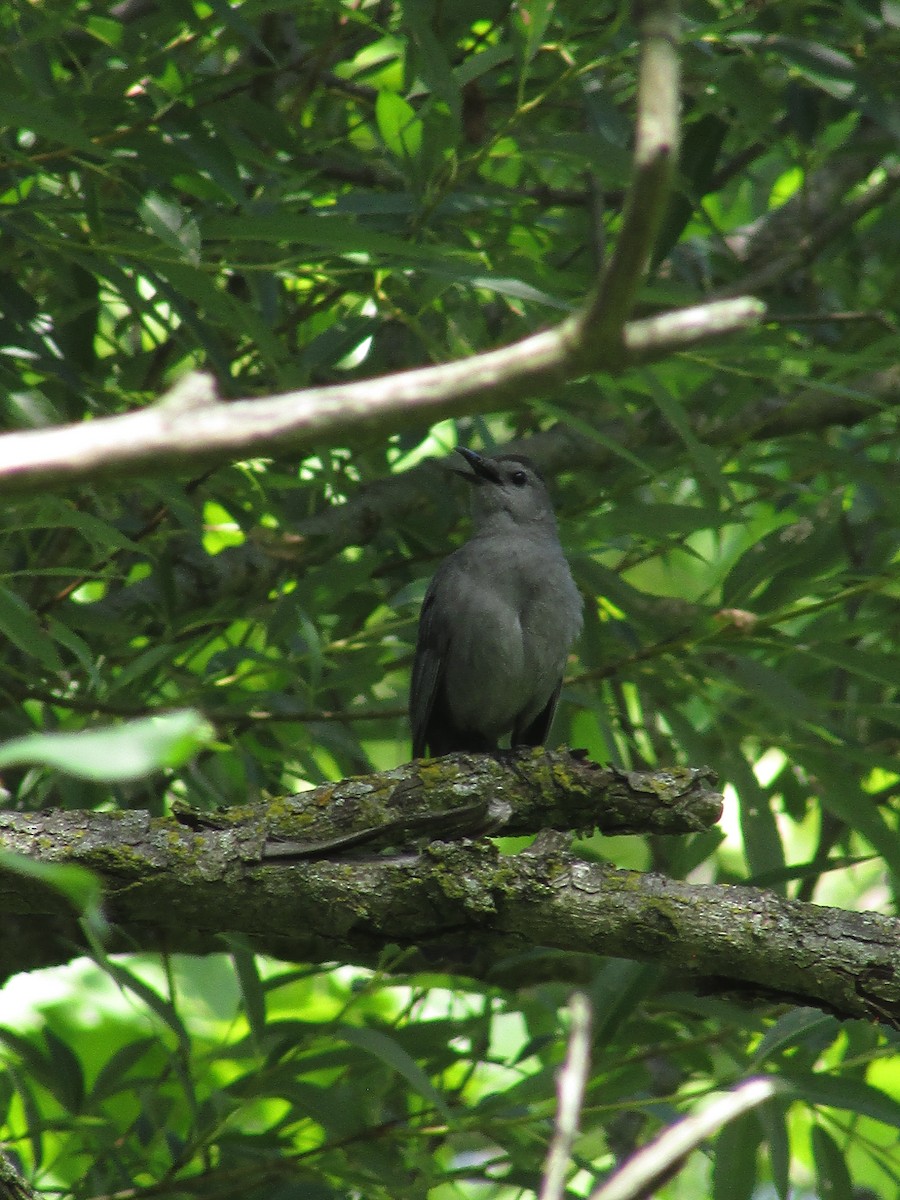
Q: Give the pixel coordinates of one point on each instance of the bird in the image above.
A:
(498, 619)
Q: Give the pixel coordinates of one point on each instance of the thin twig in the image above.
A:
(570, 1093)
(805, 247)
(641, 1174)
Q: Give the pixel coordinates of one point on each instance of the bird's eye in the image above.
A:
(519, 478)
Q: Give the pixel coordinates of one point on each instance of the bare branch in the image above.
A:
(644, 1172)
(655, 155)
(673, 331)
(190, 426)
(570, 1087)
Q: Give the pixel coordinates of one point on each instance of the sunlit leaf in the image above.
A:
(128, 751)
(398, 125)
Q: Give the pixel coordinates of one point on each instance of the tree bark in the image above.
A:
(332, 875)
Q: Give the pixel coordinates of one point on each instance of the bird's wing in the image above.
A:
(427, 672)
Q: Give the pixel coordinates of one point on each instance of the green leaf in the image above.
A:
(102, 535)
(113, 1077)
(81, 887)
(399, 125)
(172, 224)
(703, 459)
(187, 283)
(489, 57)
(734, 1169)
(530, 20)
(373, 1041)
(823, 65)
(129, 981)
(775, 690)
(430, 55)
(330, 233)
(588, 430)
(67, 1077)
(78, 647)
(34, 1119)
(797, 1027)
(19, 624)
(842, 795)
(142, 666)
(660, 521)
(617, 990)
(42, 117)
(700, 148)
(759, 829)
(252, 990)
(773, 1118)
(843, 1092)
(115, 754)
(832, 1175)
(862, 663)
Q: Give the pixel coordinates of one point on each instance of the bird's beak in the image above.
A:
(482, 470)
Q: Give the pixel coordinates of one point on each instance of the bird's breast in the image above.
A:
(513, 626)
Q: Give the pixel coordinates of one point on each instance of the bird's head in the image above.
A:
(508, 487)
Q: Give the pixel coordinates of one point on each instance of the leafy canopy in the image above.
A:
(290, 195)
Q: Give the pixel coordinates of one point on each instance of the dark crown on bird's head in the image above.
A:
(524, 461)
(498, 469)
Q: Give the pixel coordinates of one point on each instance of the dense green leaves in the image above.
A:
(301, 194)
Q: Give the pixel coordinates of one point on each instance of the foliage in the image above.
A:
(291, 195)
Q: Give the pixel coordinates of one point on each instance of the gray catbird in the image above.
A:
(497, 621)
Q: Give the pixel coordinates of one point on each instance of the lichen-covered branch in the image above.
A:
(457, 906)
(12, 1185)
(464, 795)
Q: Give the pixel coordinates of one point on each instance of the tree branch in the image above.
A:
(459, 906)
(796, 233)
(570, 1085)
(655, 155)
(653, 1165)
(514, 793)
(12, 1185)
(190, 427)
(251, 569)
